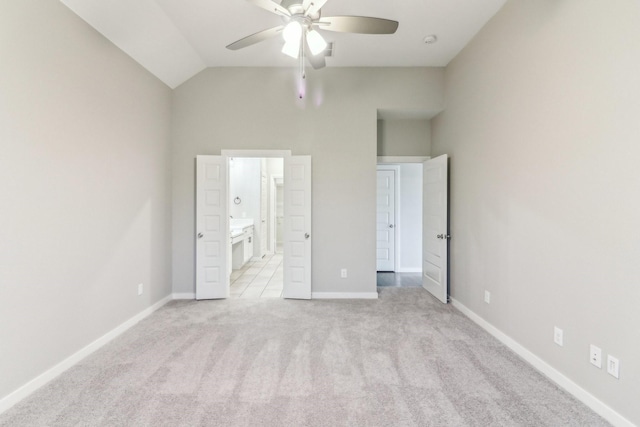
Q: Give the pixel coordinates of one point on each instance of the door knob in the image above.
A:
(306, 235)
(390, 225)
(200, 235)
(440, 236)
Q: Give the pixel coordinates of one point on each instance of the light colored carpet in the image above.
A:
(402, 360)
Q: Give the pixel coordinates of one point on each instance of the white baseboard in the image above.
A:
(409, 270)
(344, 295)
(549, 371)
(184, 295)
(42, 379)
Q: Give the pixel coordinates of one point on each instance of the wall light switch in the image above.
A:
(487, 297)
(140, 288)
(343, 273)
(613, 366)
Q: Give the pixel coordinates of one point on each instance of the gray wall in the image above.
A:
(404, 137)
(84, 188)
(542, 126)
(258, 108)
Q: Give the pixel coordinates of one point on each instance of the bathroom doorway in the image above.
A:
(257, 269)
(213, 242)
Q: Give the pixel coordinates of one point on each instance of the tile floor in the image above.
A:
(258, 279)
(399, 280)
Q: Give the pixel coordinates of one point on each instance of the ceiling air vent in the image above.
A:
(328, 52)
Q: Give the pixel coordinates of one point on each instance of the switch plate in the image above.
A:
(595, 356)
(140, 288)
(558, 336)
(487, 297)
(613, 366)
(343, 273)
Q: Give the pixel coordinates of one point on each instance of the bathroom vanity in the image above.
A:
(241, 233)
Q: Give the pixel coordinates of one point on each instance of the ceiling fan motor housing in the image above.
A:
(295, 7)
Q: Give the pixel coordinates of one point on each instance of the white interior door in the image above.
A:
(385, 228)
(297, 227)
(212, 229)
(435, 228)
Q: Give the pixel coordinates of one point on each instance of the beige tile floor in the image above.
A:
(258, 279)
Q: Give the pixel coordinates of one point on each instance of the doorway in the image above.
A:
(257, 271)
(399, 218)
(434, 215)
(213, 241)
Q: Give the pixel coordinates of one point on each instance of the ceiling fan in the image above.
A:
(302, 19)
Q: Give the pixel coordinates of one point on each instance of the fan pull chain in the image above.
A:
(303, 75)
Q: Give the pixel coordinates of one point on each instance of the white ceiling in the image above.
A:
(176, 39)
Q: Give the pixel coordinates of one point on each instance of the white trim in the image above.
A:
(549, 371)
(183, 295)
(344, 295)
(402, 159)
(50, 374)
(273, 208)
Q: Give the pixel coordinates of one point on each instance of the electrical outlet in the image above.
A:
(595, 356)
(558, 336)
(140, 288)
(343, 273)
(613, 366)
(487, 297)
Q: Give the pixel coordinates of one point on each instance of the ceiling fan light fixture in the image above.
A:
(292, 48)
(316, 42)
(292, 32)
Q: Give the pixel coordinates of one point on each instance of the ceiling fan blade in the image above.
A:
(312, 6)
(271, 6)
(316, 61)
(357, 24)
(255, 38)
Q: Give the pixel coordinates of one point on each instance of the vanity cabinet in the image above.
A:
(248, 244)
(241, 246)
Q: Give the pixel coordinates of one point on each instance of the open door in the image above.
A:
(435, 228)
(297, 227)
(212, 229)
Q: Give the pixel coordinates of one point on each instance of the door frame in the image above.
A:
(385, 161)
(280, 154)
(274, 181)
(287, 159)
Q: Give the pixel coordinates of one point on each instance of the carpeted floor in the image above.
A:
(402, 360)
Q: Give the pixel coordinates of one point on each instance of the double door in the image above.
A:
(213, 233)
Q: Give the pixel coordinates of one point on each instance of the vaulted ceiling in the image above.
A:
(176, 39)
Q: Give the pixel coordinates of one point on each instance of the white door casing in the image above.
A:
(212, 228)
(264, 209)
(297, 227)
(385, 221)
(435, 228)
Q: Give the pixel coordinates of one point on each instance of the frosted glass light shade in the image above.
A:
(316, 43)
(292, 48)
(292, 32)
